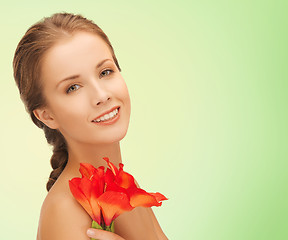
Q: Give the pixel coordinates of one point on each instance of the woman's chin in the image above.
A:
(109, 138)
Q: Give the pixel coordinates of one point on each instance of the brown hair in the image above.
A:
(27, 63)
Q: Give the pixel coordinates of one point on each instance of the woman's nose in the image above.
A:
(99, 94)
(100, 101)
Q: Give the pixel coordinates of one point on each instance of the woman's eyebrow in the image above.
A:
(77, 76)
(67, 79)
(102, 62)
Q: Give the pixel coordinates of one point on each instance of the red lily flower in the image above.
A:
(105, 195)
(89, 192)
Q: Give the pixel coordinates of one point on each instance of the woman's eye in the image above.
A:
(72, 88)
(106, 72)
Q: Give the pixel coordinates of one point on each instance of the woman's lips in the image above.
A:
(109, 121)
(111, 110)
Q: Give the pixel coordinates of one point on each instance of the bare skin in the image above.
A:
(71, 106)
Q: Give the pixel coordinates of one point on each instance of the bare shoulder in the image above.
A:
(62, 217)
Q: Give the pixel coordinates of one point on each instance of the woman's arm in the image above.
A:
(139, 224)
(158, 229)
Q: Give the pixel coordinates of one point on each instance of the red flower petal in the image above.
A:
(125, 179)
(97, 187)
(113, 204)
(96, 210)
(83, 189)
(85, 186)
(139, 197)
(159, 197)
(80, 196)
(100, 172)
(87, 170)
(111, 165)
(109, 176)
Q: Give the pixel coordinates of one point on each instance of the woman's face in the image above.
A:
(80, 83)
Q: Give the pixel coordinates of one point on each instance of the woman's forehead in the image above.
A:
(78, 44)
(75, 53)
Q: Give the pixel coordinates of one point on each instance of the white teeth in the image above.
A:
(107, 116)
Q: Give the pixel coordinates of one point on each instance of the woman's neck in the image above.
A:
(92, 154)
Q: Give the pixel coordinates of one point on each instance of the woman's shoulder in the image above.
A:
(58, 198)
(62, 217)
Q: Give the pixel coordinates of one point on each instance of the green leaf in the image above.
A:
(96, 226)
(108, 228)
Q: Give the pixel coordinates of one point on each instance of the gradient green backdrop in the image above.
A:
(208, 86)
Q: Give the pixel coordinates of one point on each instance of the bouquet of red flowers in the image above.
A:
(105, 195)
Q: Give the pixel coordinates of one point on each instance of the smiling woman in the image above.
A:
(70, 82)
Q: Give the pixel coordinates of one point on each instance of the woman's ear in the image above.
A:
(45, 116)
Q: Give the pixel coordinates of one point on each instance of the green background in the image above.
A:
(208, 87)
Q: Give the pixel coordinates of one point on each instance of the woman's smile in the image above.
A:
(108, 118)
